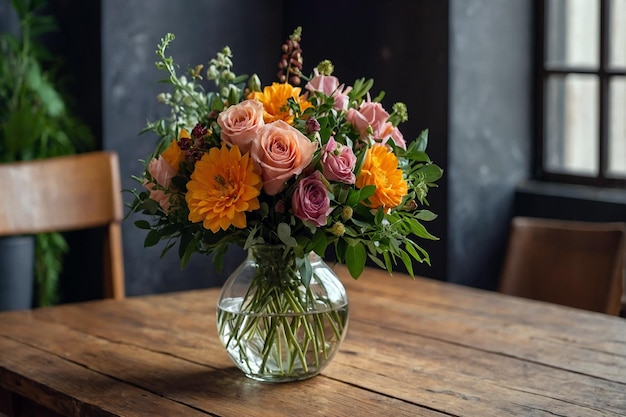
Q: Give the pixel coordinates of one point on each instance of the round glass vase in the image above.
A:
(274, 327)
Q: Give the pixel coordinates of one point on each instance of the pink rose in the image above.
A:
(372, 115)
(342, 100)
(161, 172)
(281, 151)
(329, 85)
(398, 138)
(310, 201)
(338, 162)
(240, 123)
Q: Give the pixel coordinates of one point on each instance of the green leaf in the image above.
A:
(431, 172)
(306, 272)
(380, 215)
(387, 258)
(362, 224)
(366, 192)
(411, 250)
(426, 215)
(152, 238)
(284, 234)
(142, 224)
(360, 160)
(218, 257)
(149, 206)
(418, 229)
(340, 250)
(418, 156)
(342, 194)
(353, 197)
(167, 248)
(355, 259)
(185, 239)
(376, 260)
(319, 242)
(406, 259)
(51, 99)
(191, 248)
(22, 129)
(251, 240)
(422, 141)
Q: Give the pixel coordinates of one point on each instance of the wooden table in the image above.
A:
(414, 348)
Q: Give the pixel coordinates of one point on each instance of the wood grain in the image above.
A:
(414, 347)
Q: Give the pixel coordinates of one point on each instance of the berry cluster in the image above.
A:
(194, 146)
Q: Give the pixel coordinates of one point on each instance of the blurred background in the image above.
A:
(524, 100)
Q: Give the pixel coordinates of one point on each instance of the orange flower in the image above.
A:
(274, 99)
(380, 168)
(223, 186)
(173, 155)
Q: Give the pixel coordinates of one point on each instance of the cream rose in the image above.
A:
(240, 124)
(282, 152)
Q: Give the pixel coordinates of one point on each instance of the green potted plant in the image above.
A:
(36, 122)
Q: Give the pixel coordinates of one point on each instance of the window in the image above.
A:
(582, 91)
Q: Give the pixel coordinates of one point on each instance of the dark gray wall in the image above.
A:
(131, 31)
(490, 131)
(8, 18)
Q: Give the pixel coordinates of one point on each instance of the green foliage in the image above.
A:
(49, 251)
(35, 120)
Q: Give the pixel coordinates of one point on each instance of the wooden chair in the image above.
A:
(68, 193)
(578, 264)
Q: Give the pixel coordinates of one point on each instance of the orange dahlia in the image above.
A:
(380, 168)
(274, 99)
(223, 186)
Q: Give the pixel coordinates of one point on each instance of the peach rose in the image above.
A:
(240, 123)
(162, 173)
(282, 152)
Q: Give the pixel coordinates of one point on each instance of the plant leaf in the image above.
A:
(284, 234)
(355, 259)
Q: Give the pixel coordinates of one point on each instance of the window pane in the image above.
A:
(573, 32)
(617, 127)
(571, 145)
(617, 29)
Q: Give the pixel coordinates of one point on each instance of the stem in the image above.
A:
(281, 320)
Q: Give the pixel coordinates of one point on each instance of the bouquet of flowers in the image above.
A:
(307, 168)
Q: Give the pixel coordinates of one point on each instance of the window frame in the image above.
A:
(603, 74)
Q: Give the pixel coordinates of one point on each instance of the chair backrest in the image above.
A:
(573, 263)
(68, 193)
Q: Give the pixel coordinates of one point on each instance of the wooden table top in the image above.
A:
(414, 347)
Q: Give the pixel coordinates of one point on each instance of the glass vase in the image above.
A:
(273, 326)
